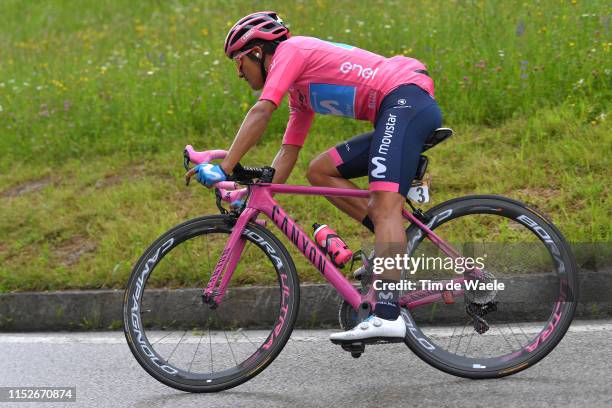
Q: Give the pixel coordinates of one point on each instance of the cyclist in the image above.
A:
(394, 94)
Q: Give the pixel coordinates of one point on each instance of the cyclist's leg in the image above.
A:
(335, 166)
(406, 117)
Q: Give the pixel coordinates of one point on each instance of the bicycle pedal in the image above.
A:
(376, 341)
(388, 341)
(353, 347)
(350, 345)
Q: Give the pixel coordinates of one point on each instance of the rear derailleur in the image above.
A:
(476, 311)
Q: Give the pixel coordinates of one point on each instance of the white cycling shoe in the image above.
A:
(373, 329)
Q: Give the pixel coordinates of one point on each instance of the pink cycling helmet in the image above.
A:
(263, 25)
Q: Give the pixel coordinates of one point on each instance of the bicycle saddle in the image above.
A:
(438, 136)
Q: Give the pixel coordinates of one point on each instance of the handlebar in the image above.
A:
(228, 190)
(205, 156)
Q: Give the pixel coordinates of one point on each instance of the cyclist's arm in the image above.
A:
(284, 162)
(250, 132)
(285, 67)
(298, 126)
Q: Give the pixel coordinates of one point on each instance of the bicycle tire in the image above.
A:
(136, 330)
(429, 349)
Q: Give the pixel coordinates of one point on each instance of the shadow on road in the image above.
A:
(237, 397)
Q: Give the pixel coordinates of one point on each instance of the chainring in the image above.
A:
(347, 316)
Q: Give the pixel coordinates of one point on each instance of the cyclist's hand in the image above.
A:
(236, 204)
(207, 174)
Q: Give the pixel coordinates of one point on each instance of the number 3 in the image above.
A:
(421, 196)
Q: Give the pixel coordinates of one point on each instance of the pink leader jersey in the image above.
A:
(334, 79)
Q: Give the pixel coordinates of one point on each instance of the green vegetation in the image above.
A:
(98, 99)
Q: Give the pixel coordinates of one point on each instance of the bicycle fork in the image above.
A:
(213, 294)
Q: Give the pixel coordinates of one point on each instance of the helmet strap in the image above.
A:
(261, 61)
(264, 73)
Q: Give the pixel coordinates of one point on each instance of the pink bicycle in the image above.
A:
(206, 335)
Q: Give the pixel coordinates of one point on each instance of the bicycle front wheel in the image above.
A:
(186, 344)
(526, 301)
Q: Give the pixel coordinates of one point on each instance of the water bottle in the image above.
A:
(332, 244)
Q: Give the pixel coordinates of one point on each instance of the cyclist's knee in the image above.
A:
(313, 173)
(320, 168)
(385, 206)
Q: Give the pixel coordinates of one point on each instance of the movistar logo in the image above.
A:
(379, 171)
(212, 175)
(385, 296)
(389, 130)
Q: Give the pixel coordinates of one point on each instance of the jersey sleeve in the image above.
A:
(286, 66)
(298, 125)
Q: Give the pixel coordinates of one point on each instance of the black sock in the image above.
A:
(387, 310)
(367, 222)
(387, 302)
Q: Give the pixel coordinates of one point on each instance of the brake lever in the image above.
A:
(186, 165)
(186, 159)
(218, 200)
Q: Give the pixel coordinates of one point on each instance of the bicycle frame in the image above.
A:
(261, 201)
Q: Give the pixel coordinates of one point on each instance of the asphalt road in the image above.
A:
(311, 372)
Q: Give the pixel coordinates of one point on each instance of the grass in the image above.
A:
(97, 100)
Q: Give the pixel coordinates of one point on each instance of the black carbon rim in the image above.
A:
(266, 347)
(435, 353)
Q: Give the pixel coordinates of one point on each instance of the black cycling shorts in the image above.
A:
(389, 155)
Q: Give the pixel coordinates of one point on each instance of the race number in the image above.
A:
(419, 194)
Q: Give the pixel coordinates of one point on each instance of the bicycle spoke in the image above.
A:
(241, 331)
(212, 369)
(506, 340)
(207, 256)
(230, 347)
(247, 337)
(175, 347)
(158, 340)
(194, 303)
(450, 340)
(461, 336)
(196, 351)
(193, 263)
(469, 342)
(524, 334)
(514, 335)
(509, 237)
(186, 321)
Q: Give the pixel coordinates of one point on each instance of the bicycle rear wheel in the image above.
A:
(490, 333)
(180, 340)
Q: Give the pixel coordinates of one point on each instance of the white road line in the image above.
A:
(253, 335)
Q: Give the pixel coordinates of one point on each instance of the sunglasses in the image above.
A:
(238, 59)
